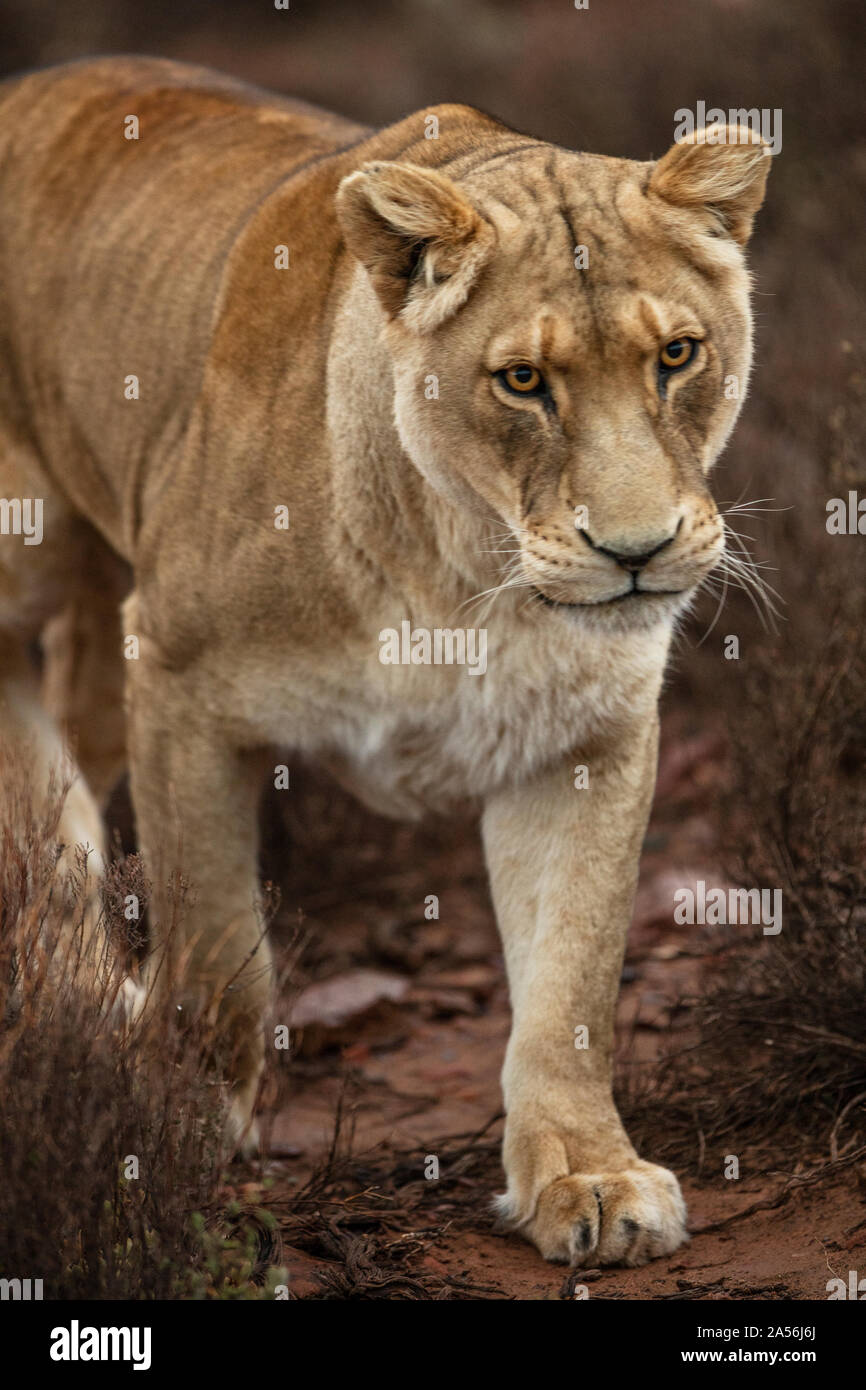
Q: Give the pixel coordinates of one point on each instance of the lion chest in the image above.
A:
(419, 737)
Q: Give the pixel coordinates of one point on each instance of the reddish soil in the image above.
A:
(408, 1040)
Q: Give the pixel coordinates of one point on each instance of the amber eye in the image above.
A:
(677, 353)
(524, 379)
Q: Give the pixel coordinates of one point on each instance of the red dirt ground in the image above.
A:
(411, 1034)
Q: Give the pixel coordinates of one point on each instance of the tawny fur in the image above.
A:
(411, 260)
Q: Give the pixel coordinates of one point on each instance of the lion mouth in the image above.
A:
(634, 592)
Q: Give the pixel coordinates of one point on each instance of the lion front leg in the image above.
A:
(195, 797)
(563, 864)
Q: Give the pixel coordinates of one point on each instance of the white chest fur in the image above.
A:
(411, 736)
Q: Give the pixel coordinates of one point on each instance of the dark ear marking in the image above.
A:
(399, 218)
(416, 260)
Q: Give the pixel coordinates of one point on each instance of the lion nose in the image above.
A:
(635, 559)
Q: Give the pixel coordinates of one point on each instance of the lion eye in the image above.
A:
(677, 354)
(523, 379)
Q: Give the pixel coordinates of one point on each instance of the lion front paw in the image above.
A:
(625, 1217)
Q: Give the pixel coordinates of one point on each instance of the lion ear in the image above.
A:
(419, 239)
(723, 169)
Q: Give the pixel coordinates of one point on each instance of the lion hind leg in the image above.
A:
(51, 829)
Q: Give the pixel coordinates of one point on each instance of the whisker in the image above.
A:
(723, 596)
(743, 508)
(760, 593)
(515, 580)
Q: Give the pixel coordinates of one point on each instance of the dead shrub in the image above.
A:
(110, 1141)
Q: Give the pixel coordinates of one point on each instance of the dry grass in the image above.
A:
(110, 1146)
(779, 1055)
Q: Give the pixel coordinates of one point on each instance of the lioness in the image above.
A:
(284, 384)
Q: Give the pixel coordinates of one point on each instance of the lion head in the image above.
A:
(586, 322)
